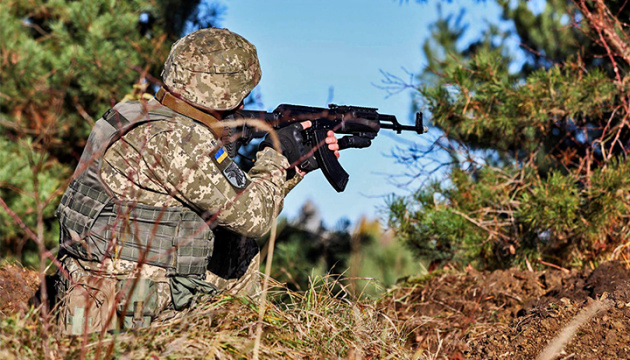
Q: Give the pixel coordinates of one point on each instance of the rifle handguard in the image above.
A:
(356, 142)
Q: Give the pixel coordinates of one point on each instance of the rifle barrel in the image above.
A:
(399, 128)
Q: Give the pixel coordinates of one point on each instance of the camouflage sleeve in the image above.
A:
(291, 183)
(199, 172)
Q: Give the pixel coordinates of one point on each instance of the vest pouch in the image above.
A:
(139, 302)
(186, 291)
(79, 207)
(87, 304)
(143, 232)
(194, 243)
(171, 238)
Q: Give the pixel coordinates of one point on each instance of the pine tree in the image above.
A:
(64, 63)
(538, 155)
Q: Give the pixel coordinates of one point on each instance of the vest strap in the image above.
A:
(184, 108)
(115, 119)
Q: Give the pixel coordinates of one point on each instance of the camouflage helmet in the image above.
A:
(213, 68)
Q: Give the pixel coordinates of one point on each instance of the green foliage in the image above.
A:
(298, 256)
(553, 204)
(29, 182)
(369, 259)
(66, 62)
(538, 156)
(63, 64)
(548, 37)
(480, 104)
(301, 254)
(439, 228)
(380, 265)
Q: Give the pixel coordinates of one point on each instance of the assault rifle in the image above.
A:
(362, 124)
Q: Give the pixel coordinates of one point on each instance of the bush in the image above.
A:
(538, 157)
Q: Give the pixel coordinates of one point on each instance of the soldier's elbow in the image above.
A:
(261, 230)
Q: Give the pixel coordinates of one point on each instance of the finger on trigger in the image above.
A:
(306, 124)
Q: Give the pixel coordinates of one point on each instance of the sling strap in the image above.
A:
(181, 107)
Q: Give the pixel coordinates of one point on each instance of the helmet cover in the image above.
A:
(212, 68)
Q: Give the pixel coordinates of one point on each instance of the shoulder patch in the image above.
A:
(232, 173)
(235, 175)
(220, 155)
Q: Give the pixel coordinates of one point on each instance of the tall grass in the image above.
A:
(318, 323)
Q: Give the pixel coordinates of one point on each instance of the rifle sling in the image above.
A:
(182, 107)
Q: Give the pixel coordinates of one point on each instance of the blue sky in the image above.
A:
(306, 48)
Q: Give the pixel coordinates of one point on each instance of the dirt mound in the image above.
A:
(514, 314)
(17, 286)
(602, 336)
(443, 310)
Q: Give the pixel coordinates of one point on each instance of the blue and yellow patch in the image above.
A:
(220, 155)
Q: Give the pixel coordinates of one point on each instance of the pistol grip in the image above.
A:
(328, 162)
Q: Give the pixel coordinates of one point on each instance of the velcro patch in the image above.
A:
(235, 175)
(220, 155)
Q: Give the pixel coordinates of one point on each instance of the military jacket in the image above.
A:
(170, 167)
(178, 161)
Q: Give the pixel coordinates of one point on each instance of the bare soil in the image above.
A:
(17, 286)
(514, 314)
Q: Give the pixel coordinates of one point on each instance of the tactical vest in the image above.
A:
(95, 224)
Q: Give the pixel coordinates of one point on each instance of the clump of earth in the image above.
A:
(515, 314)
(17, 286)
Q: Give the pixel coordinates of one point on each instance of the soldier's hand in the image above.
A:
(294, 149)
(331, 140)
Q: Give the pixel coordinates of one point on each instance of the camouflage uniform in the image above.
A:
(175, 162)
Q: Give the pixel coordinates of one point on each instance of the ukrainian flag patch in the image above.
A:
(220, 155)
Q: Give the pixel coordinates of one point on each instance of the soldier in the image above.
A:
(157, 213)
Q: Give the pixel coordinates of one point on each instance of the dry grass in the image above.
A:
(316, 324)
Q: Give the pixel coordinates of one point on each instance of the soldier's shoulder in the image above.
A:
(133, 110)
(180, 131)
(189, 127)
(163, 120)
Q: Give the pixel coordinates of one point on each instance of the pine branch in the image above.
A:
(603, 21)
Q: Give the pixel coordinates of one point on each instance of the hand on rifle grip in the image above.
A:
(309, 164)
